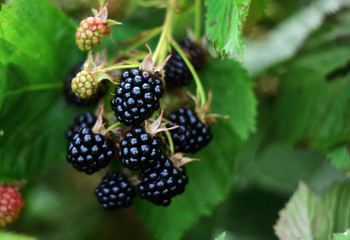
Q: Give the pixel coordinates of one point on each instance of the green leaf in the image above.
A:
(309, 217)
(37, 50)
(221, 237)
(340, 158)
(284, 40)
(209, 179)
(224, 24)
(342, 236)
(13, 236)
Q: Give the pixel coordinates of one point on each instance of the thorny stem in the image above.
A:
(170, 141)
(197, 22)
(117, 66)
(166, 32)
(200, 88)
(113, 126)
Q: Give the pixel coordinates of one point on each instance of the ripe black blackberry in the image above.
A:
(192, 134)
(139, 150)
(162, 182)
(115, 191)
(137, 97)
(86, 120)
(177, 74)
(73, 99)
(89, 152)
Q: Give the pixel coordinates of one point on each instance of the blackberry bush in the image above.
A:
(115, 191)
(192, 134)
(137, 97)
(139, 150)
(162, 182)
(89, 152)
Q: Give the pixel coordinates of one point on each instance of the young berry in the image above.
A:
(89, 152)
(137, 97)
(192, 134)
(84, 85)
(177, 74)
(73, 99)
(115, 191)
(139, 150)
(11, 203)
(162, 182)
(86, 120)
(90, 33)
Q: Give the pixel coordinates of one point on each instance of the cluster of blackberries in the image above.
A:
(136, 98)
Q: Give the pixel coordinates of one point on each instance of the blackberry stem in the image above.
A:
(117, 66)
(197, 21)
(170, 141)
(200, 88)
(160, 51)
(113, 126)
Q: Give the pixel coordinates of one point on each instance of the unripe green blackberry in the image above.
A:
(90, 34)
(84, 85)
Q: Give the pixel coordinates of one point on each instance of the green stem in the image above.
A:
(152, 33)
(198, 18)
(116, 67)
(170, 141)
(166, 33)
(113, 126)
(200, 88)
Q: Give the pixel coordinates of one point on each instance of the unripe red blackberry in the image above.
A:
(192, 134)
(90, 33)
(162, 182)
(137, 96)
(11, 203)
(115, 191)
(139, 150)
(177, 74)
(89, 152)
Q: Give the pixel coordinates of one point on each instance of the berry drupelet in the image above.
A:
(115, 191)
(73, 99)
(192, 134)
(139, 150)
(162, 182)
(89, 152)
(177, 74)
(137, 96)
(11, 203)
(86, 120)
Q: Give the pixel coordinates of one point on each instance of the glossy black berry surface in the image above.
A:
(86, 120)
(139, 150)
(89, 152)
(115, 191)
(73, 99)
(192, 134)
(177, 74)
(137, 97)
(162, 182)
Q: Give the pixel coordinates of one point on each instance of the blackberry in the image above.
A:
(73, 99)
(86, 120)
(89, 152)
(177, 74)
(192, 134)
(115, 191)
(137, 97)
(139, 150)
(90, 33)
(162, 182)
(11, 203)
